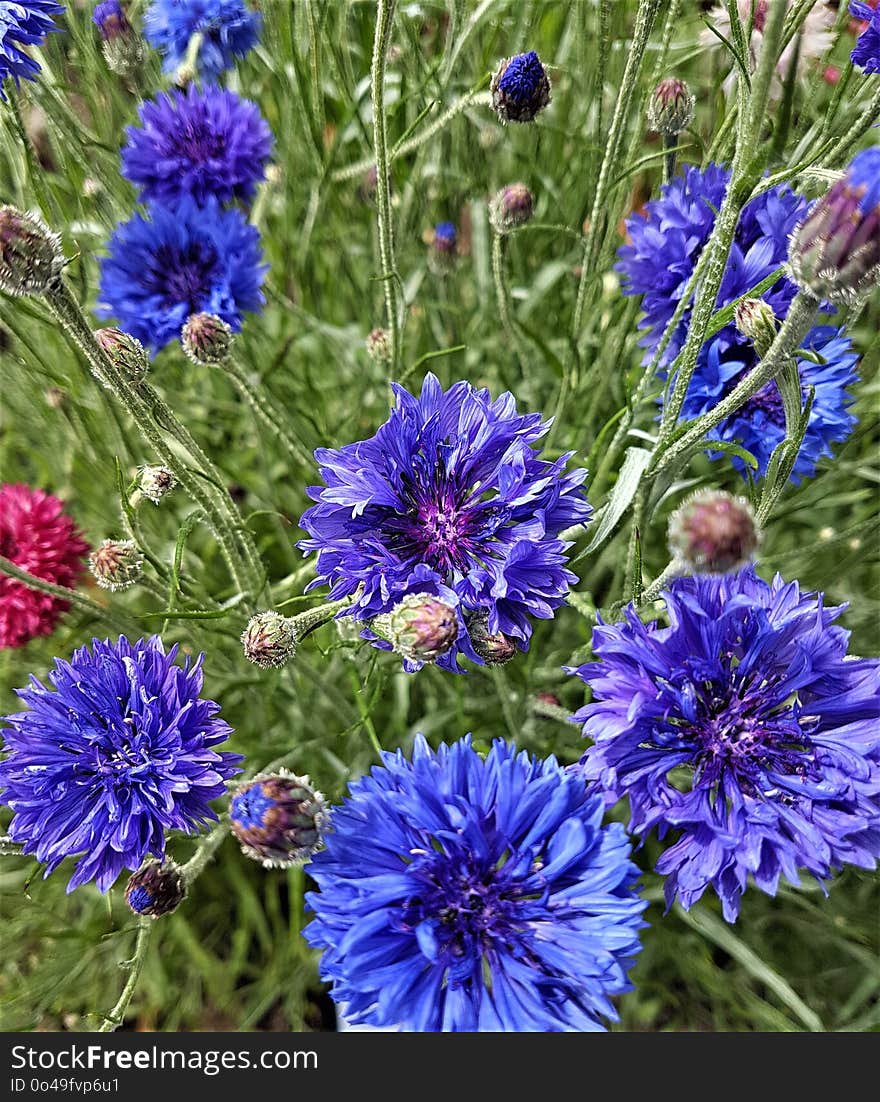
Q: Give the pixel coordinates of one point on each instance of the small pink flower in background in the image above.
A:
(37, 535)
(816, 35)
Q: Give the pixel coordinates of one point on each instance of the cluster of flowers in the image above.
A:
(460, 890)
(195, 152)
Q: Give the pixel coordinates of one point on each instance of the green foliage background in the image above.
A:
(231, 957)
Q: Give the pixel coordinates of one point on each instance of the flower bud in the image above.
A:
(442, 249)
(495, 649)
(511, 208)
(378, 346)
(834, 253)
(156, 889)
(155, 483)
(671, 107)
(520, 88)
(122, 46)
(126, 352)
(116, 565)
(269, 640)
(278, 819)
(421, 628)
(713, 532)
(206, 339)
(30, 254)
(755, 319)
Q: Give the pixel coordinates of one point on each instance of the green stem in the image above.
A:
(800, 317)
(116, 1016)
(502, 297)
(266, 411)
(306, 622)
(78, 600)
(390, 278)
(651, 592)
(196, 865)
(644, 21)
(64, 305)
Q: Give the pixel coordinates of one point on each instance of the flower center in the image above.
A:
(466, 907)
(186, 276)
(730, 727)
(198, 142)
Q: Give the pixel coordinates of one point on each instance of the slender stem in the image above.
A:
(267, 412)
(409, 145)
(78, 600)
(651, 592)
(745, 172)
(313, 618)
(502, 690)
(390, 278)
(800, 317)
(195, 866)
(116, 1016)
(64, 305)
(644, 21)
(502, 296)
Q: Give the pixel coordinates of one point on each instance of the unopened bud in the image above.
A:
(116, 565)
(269, 640)
(421, 628)
(206, 339)
(713, 532)
(155, 890)
(278, 819)
(834, 253)
(30, 253)
(378, 346)
(155, 483)
(671, 107)
(511, 208)
(126, 352)
(755, 319)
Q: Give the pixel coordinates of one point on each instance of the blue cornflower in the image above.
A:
(449, 498)
(116, 754)
(178, 261)
(520, 88)
(744, 728)
(461, 894)
(666, 242)
(228, 28)
(866, 55)
(110, 19)
(445, 237)
(199, 142)
(23, 23)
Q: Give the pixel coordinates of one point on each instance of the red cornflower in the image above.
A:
(37, 535)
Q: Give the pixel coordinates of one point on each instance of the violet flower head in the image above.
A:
(198, 143)
(866, 54)
(665, 245)
(179, 261)
(744, 729)
(23, 23)
(118, 752)
(450, 498)
(461, 893)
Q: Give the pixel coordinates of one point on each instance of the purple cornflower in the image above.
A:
(229, 29)
(745, 729)
(201, 142)
(665, 244)
(179, 261)
(866, 54)
(116, 754)
(460, 894)
(449, 498)
(111, 20)
(520, 88)
(23, 23)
